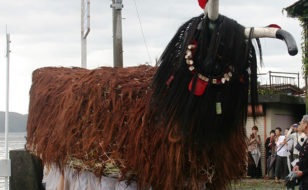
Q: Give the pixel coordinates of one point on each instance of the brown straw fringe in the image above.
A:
(104, 116)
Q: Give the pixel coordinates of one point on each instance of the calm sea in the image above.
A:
(15, 141)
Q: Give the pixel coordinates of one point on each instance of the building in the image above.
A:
(280, 105)
(299, 10)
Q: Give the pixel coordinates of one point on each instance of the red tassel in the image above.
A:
(200, 86)
(169, 80)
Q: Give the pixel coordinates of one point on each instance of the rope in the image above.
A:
(142, 32)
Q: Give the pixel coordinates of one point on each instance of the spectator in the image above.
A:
(254, 154)
(298, 137)
(301, 167)
(282, 148)
(269, 150)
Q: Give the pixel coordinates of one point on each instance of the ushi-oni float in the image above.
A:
(178, 125)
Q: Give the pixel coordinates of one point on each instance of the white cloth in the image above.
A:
(256, 155)
(283, 150)
(72, 180)
(45, 174)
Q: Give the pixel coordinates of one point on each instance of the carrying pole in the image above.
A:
(117, 33)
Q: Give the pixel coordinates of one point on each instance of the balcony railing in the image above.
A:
(280, 82)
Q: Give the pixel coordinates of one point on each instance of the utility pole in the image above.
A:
(85, 29)
(8, 41)
(5, 164)
(117, 33)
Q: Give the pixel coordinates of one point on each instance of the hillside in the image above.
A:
(17, 122)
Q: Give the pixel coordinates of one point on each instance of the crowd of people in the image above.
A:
(285, 152)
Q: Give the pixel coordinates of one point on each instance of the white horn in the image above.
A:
(268, 32)
(262, 32)
(213, 9)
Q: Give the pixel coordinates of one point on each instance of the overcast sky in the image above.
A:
(47, 33)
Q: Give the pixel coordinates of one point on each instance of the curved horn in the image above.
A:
(275, 33)
(212, 9)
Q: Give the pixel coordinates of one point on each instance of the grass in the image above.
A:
(254, 184)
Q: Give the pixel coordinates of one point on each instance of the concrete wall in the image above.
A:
(283, 115)
(26, 171)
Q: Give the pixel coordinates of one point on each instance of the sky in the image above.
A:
(47, 33)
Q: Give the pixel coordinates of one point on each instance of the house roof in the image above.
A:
(297, 9)
(281, 98)
(284, 89)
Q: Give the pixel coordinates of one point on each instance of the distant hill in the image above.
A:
(17, 122)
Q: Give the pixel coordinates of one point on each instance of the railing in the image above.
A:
(281, 81)
(282, 78)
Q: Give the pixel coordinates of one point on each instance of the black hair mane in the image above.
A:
(217, 50)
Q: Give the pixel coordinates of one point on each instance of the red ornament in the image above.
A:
(242, 80)
(194, 42)
(200, 86)
(274, 26)
(202, 3)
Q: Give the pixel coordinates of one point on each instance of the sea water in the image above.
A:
(15, 141)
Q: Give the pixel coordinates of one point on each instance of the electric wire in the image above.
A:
(142, 32)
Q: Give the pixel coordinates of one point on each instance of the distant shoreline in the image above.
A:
(17, 122)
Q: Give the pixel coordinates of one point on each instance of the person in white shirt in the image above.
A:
(282, 147)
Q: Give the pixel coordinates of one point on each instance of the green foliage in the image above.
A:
(268, 91)
(304, 43)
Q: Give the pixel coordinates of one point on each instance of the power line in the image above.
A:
(142, 32)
